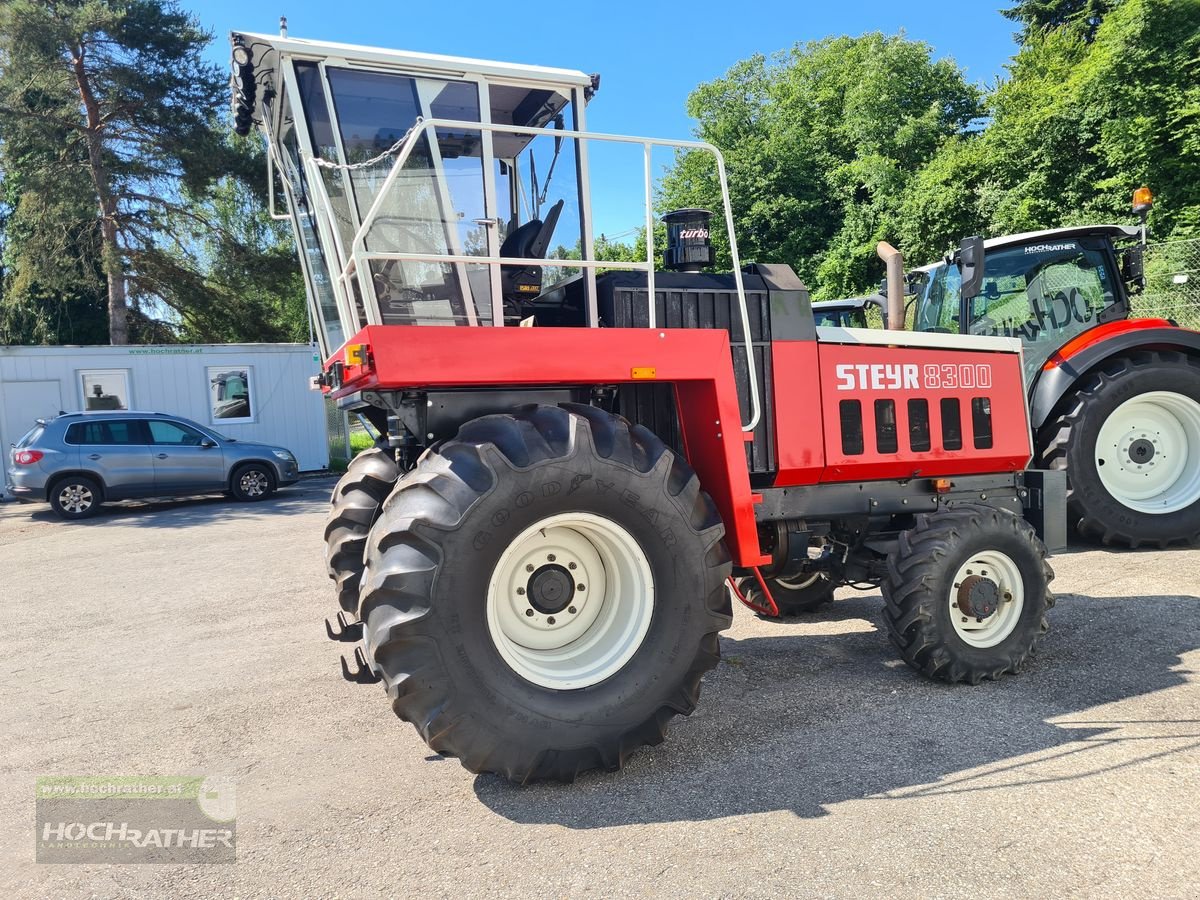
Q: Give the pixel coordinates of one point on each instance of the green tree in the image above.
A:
(106, 106)
(821, 144)
(1081, 122)
(1039, 16)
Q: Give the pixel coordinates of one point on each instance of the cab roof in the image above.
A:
(407, 59)
(1112, 232)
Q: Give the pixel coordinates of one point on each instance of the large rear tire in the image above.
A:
(1129, 441)
(354, 507)
(967, 593)
(544, 592)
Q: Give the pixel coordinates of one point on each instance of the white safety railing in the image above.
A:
(359, 257)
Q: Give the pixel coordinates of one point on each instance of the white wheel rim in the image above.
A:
(794, 584)
(1148, 452)
(998, 569)
(75, 498)
(606, 597)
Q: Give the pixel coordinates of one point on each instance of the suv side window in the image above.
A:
(108, 431)
(176, 433)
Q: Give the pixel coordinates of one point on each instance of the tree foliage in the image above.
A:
(123, 184)
(837, 144)
(821, 143)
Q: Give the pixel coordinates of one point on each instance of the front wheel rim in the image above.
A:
(570, 601)
(254, 483)
(76, 498)
(1148, 452)
(985, 573)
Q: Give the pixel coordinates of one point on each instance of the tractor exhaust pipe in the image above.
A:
(893, 260)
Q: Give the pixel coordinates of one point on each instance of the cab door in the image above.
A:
(185, 460)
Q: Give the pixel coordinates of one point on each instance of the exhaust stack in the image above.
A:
(893, 260)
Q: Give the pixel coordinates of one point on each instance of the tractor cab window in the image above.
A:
(1043, 293)
(460, 192)
(322, 298)
(939, 307)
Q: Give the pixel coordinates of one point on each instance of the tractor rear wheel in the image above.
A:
(354, 507)
(544, 592)
(1129, 441)
(793, 596)
(967, 593)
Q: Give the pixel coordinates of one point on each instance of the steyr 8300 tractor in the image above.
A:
(581, 461)
(1114, 400)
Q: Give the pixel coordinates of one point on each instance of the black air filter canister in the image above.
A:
(688, 246)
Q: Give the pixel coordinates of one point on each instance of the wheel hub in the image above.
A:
(978, 596)
(550, 589)
(1141, 451)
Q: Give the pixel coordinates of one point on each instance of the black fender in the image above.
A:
(1053, 384)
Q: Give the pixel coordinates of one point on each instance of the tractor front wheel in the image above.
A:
(353, 509)
(967, 593)
(1129, 441)
(544, 592)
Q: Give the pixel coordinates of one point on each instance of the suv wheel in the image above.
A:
(75, 497)
(253, 482)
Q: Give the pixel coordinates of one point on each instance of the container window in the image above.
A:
(951, 424)
(852, 428)
(886, 440)
(918, 425)
(981, 422)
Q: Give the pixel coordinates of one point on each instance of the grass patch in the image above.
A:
(360, 441)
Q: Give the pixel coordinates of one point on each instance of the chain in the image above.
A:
(374, 160)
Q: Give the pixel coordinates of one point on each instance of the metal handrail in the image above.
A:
(422, 126)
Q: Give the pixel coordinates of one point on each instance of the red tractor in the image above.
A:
(1114, 400)
(583, 464)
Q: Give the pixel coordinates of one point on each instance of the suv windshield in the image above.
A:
(1044, 293)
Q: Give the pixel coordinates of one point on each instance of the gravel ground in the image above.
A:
(186, 638)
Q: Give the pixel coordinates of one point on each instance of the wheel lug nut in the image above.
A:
(550, 557)
(529, 567)
(529, 612)
(571, 610)
(581, 587)
(572, 566)
(520, 592)
(550, 620)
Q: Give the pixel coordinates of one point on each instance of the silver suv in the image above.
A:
(76, 461)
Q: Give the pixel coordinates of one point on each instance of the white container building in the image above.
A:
(257, 392)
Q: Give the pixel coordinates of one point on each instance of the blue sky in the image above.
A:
(650, 54)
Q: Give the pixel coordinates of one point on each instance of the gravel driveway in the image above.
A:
(186, 637)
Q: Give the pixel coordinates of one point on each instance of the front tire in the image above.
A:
(353, 509)
(252, 482)
(1129, 441)
(967, 593)
(479, 625)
